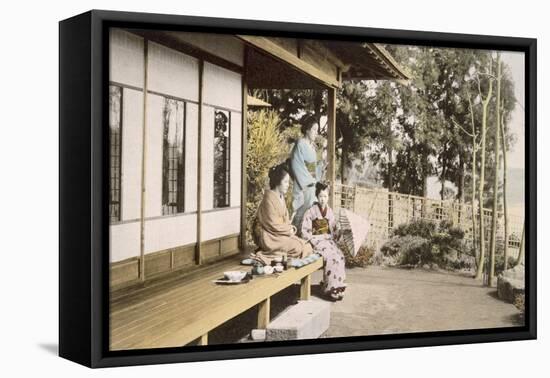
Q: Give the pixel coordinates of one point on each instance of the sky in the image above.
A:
(516, 63)
(516, 156)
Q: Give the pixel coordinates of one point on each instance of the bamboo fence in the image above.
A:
(385, 210)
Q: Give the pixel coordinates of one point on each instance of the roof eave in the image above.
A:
(382, 55)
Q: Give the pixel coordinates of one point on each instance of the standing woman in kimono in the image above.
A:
(320, 228)
(302, 157)
(274, 233)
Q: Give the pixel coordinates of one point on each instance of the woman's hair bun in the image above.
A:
(307, 122)
(276, 175)
(319, 187)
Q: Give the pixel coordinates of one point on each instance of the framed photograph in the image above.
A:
(234, 188)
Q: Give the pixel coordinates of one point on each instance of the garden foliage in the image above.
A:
(422, 243)
(266, 147)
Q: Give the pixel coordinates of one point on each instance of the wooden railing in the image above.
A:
(386, 210)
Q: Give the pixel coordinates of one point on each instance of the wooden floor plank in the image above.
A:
(182, 292)
(219, 312)
(174, 307)
(170, 296)
(183, 298)
(178, 311)
(152, 289)
(183, 310)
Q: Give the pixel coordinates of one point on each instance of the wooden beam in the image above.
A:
(388, 62)
(305, 288)
(331, 143)
(244, 147)
(173, 40)
(277, 52)
(263, 313)
(325, 51)
(143, 165)
(123, 272)
(198, 257)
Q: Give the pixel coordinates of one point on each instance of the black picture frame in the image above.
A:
(83, 228)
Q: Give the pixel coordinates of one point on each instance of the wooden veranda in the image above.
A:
(178, 303)
(288, 63)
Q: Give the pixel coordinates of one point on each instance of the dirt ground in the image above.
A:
(390, 300)
(383, 300)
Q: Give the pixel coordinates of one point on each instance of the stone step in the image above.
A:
(511, 283)
(304, 320)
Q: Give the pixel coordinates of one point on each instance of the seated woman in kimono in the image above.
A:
(320, 228)
(274, 233)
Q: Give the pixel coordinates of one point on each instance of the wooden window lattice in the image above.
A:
(222, 127)
(115, 152)
(173, 167)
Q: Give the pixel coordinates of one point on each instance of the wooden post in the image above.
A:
(521, 255)
(390, 213)
(198, 248)
(244, 146)
(305, 288)
(494, 217)
(504, 200)
(331, 143)
(460, 213)
(203, 340)
(354, 198)
(264, 308)
(409, 208)
(423, 209)
(143, 164)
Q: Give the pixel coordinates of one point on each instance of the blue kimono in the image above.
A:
(303, 193)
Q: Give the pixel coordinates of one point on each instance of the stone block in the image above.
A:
(258, 334)
(304, 320)
(511, 283)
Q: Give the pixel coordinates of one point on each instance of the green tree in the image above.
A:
(293, 104)
(419, 121)
(410, 131)
(494, 218)
(364, 115)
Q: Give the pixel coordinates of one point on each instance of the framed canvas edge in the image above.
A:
(75, 296)
(95, 259)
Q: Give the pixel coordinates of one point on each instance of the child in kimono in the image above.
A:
(319, 227)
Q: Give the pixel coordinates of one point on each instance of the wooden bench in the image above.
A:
(180, 309)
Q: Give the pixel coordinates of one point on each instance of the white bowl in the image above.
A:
(234, 275)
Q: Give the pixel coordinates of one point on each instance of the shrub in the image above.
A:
(422, 242)
(393, 246)
(421, 228)
(408, 250)
(417, 252)
(519, 302)
(361, 259)
(499, 262)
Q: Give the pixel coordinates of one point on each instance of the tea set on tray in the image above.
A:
(278, 265)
